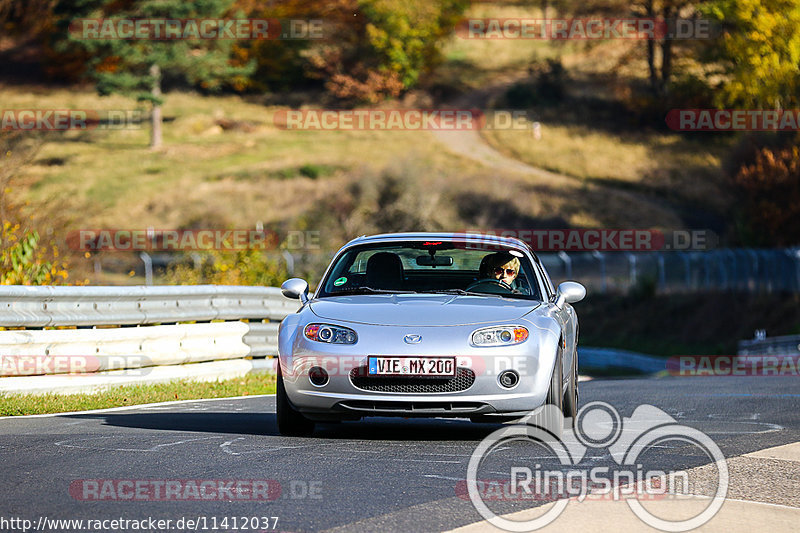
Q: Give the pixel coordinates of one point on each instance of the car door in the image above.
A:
(566, 317)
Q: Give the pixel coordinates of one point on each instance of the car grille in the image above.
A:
(463, 380)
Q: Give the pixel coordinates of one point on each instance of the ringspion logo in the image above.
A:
(554, 471)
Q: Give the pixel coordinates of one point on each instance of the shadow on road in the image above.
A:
(234, 423)
(399, 429)
(394, 429)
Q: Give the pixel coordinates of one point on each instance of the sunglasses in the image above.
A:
(508, 271)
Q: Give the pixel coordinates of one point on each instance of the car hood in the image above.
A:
(421, 309)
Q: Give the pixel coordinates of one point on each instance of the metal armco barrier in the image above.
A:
(785, 345)
(57, 351)
(725, 269)
(262, 338)
(226, 325)
(24, 306)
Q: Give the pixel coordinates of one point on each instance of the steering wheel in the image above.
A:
(490, 283)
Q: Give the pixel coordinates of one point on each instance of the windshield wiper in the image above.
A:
(368, 290)
(460, 292)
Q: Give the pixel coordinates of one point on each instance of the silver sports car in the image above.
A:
(428, 324)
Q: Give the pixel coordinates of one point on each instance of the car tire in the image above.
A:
(571, 395)
(552, 419)
(290, 421)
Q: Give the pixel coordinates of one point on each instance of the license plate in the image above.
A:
(412, 366)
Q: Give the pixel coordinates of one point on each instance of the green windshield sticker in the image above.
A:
(340, 281)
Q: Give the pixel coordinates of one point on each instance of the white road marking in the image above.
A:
(226, 447)
(66, 444)
(444, 477)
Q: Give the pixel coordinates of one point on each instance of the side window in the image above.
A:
(530, 278)
(547, 281)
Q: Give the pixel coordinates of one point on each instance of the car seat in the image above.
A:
(385, 271)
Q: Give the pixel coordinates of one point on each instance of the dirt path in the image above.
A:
(471, 145)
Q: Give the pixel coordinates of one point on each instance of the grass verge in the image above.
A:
(32, 404)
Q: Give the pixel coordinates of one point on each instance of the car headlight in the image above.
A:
(499, 336)
(330, 334)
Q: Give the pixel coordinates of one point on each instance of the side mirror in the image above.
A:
(570, 292)
(295, 288)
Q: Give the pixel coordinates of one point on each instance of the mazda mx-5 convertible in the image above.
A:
(428, 325)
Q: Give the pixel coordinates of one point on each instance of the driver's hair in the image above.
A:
(492, 261)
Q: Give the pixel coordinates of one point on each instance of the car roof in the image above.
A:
(484, 238)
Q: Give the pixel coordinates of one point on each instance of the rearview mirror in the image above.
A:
(570, 292)
(295, 288)
(435, 260)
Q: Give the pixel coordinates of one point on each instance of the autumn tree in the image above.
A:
(25, 257)
(26, 18)
(661, 52)
(136, 67)
(769, 191)
(371, 49)
(758, 52)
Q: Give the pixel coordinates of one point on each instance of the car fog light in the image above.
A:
(318, 376)
(508, 378)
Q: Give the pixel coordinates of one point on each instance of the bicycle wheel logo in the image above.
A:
(597, 426)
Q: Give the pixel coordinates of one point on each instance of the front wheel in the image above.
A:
(571, 394)
(290, 421)
(549, 416)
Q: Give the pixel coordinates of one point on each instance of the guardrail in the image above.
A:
(44, 306)
(725, 269)
(60, 330)
(762, 345)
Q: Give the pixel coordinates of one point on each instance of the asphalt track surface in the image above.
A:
(380, 474)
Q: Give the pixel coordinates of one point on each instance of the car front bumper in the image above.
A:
(345, 395)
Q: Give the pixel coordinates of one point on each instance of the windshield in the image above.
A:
(431, 267)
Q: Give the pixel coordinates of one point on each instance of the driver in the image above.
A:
(501, 266)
